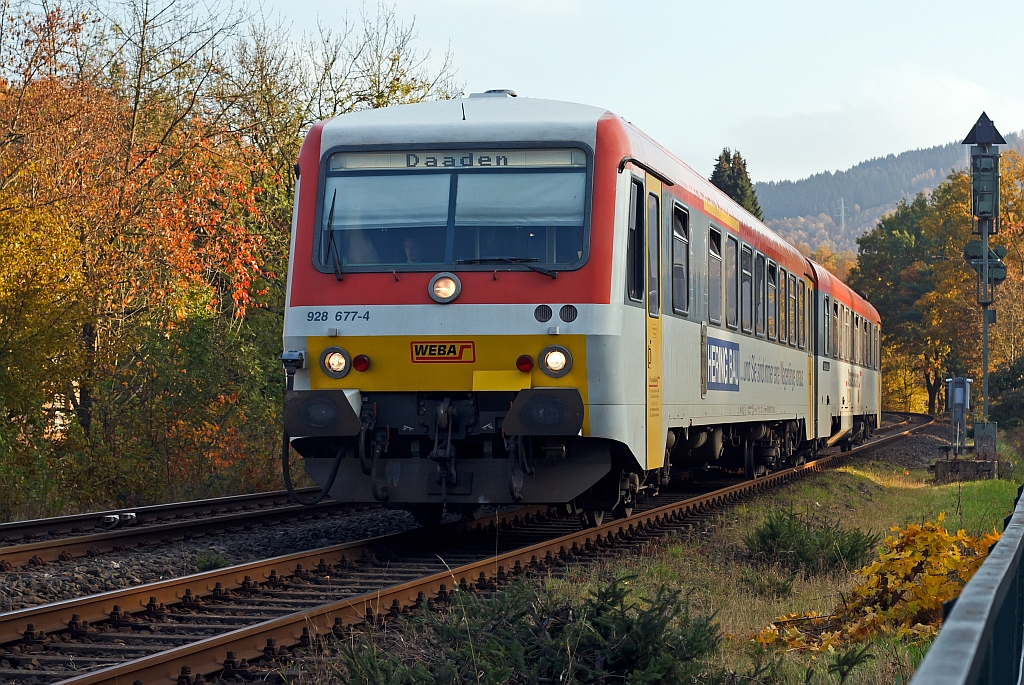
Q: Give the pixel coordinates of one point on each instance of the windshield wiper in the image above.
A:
(525, 261)
(332, 254)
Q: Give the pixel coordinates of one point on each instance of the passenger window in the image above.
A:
(826, 328)
(680, 261)
(773, 300)
(653, 256)
(802, 313)
(836, 340)
(746, 289)
(783, 328)
(792, 309)
(731, 273)
(635, 247)
(858, 344)
(759, 294)
(848, 337)
(865, 346)
(715, 276)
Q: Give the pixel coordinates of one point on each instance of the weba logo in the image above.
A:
(443, 352)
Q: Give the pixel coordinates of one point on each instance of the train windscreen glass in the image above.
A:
(428, 209)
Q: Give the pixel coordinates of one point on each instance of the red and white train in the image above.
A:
(502, 299)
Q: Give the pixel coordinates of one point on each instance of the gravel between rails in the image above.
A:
(917, 451)
(67, 580)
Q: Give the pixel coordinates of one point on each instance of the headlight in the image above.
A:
(335, 362)
(555, 361)
(444, 287)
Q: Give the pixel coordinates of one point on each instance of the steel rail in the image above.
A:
(64, 525)
(209, 655)
(93, 544)
(54, 617)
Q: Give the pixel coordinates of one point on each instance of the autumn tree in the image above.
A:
(731, 177)
(145, 193)
(912, 269)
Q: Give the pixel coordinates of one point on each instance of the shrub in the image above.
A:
(900, 594)
(525, 635)
(210, 561)
(803, 543)
(767, 583)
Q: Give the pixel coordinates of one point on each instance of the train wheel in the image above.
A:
(591, 518)
(749, 467)
(622, 510)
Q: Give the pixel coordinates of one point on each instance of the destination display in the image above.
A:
(458, 159)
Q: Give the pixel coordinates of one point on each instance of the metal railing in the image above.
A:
(981, 637)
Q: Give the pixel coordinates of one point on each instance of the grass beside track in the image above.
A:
(534, 626)
(715, 569)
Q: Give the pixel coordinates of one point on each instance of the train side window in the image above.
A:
(680, 261)
(837, 341)
(635, 246)
(865, 343)
(878, 348)
(871, 345)
(854, 357)
(773, 300)
(826, 328)
(802, 313)
(783, 326)
(653, 256)
(792, 309)
(746, 289)
(731, 277)
(856, 339)
(715, 276)
(759, 294)
(848, 335)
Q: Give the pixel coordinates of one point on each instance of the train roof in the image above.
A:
(477, 119)
(500, 118)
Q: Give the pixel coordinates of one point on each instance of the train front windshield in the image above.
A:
(415, 210)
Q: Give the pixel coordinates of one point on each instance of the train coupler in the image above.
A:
(443, 453)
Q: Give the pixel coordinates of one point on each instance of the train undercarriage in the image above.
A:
(461, 452)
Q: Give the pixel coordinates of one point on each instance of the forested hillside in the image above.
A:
(808, 211)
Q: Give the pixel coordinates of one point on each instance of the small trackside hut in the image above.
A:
(499, 299)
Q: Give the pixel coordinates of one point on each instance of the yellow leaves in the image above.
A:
(901, 593)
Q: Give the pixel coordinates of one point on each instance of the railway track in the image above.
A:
(37, 542)
(181, 630)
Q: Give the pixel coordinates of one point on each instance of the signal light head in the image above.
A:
(360, 363)
(524, 363)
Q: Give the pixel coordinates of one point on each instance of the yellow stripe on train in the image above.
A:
(441, 364)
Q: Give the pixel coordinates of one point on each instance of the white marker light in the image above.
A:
(555, 361)
(335, 361)
(444, 287)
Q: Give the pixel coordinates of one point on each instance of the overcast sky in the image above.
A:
(797, 87)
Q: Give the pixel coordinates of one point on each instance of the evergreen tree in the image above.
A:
(731, 177)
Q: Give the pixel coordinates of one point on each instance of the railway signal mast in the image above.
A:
(984, 140)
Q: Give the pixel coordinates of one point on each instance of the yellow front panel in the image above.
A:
(462, 363)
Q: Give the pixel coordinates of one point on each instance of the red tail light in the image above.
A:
(524, 363)
(360, 362)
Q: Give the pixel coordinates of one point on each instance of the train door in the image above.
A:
(823, 367)
(655, 432)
